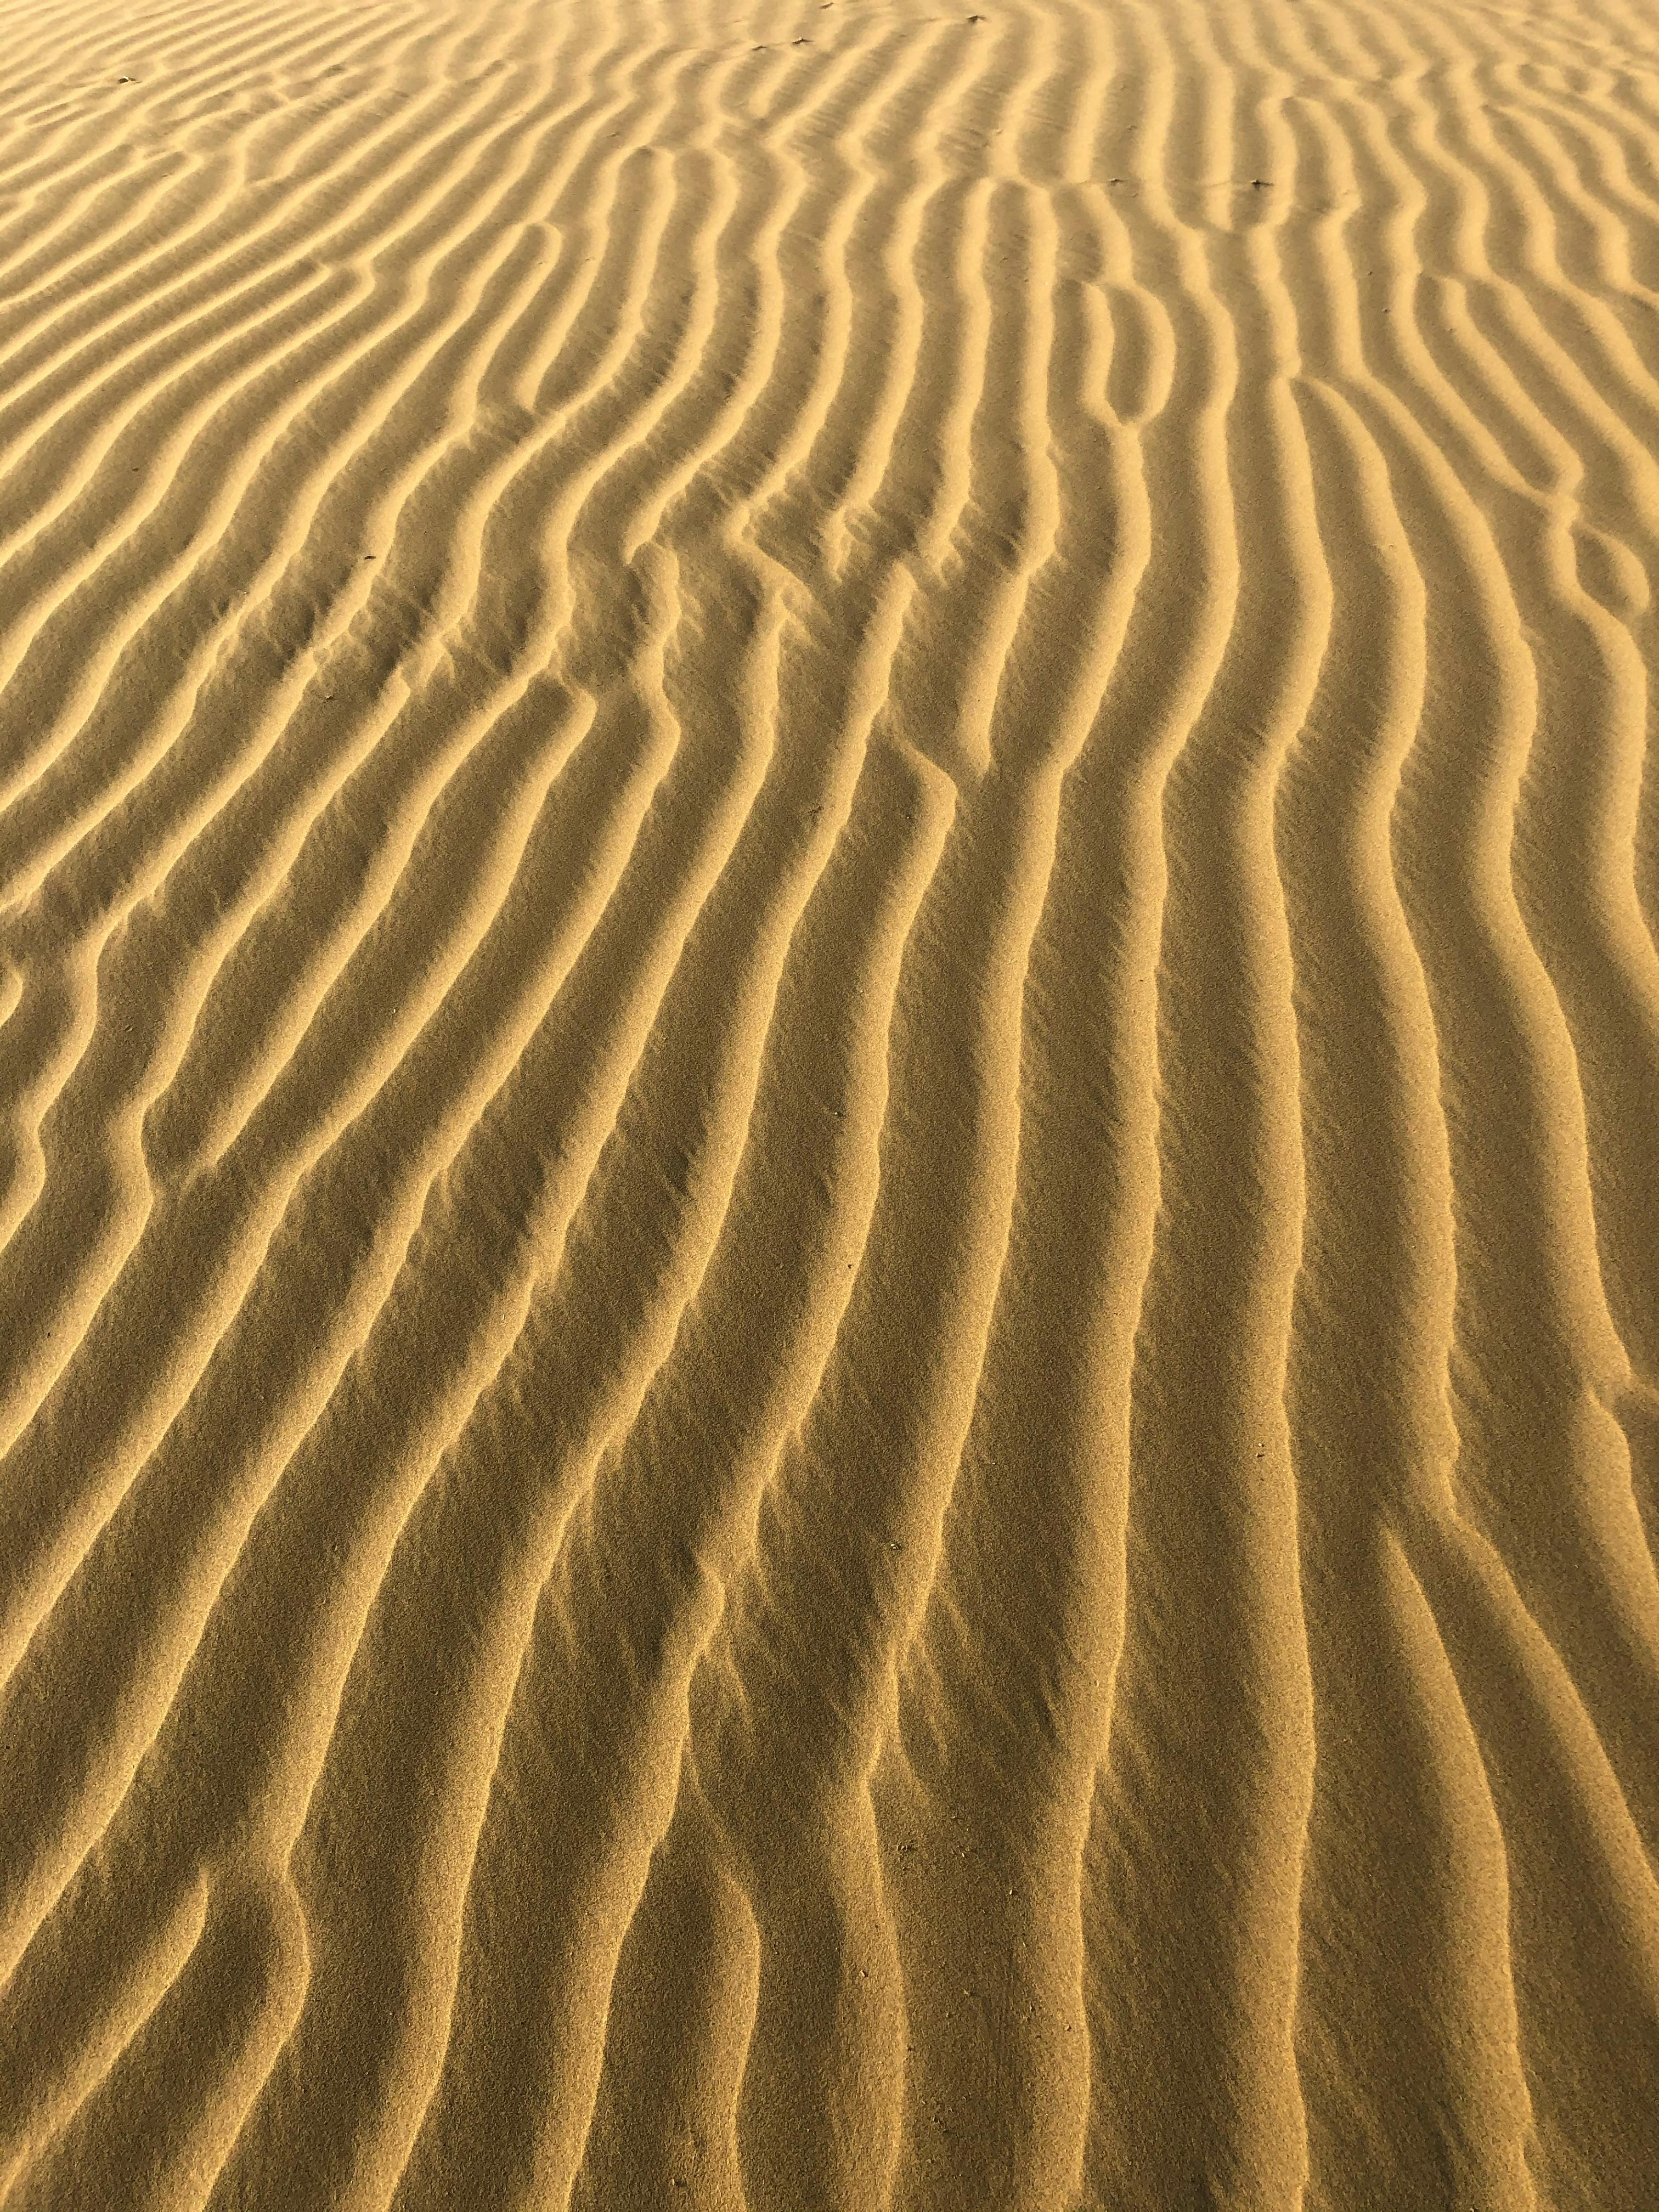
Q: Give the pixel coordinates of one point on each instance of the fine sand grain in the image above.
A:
(829, 1106)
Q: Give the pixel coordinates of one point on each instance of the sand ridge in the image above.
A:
(828, 1339)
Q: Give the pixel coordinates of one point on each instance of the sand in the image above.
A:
(829, 1106)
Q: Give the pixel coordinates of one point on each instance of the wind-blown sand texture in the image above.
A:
(829, 1307)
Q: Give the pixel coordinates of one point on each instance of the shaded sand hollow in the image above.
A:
(829, 1106)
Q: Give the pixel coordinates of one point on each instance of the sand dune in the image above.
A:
(830, 1035)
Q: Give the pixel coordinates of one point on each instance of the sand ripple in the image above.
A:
(829, 1046)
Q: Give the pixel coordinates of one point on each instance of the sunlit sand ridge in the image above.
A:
(828, 1055)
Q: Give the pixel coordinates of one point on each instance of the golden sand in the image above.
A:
(829, 1106)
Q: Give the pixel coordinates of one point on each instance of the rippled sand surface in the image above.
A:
(829, 1106)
